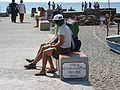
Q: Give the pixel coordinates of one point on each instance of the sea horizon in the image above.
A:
(65, 5)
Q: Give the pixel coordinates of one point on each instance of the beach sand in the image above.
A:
(104, 64)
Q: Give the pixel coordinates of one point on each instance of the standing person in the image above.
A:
(95, 6)
(22, 10)
(82, 6)
(41, 16)
(49, 5)
(14, 11)
(60, 44)
(85, 5)
(90, 4)
(53, 5)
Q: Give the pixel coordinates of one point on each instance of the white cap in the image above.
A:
(58, 17)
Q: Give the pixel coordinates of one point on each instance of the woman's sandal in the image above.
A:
(40, 74)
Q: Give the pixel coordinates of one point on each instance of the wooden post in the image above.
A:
(107, 29)
(118, 28)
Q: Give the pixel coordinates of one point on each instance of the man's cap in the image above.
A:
(58, 17)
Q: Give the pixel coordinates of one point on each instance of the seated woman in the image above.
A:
(42, 16)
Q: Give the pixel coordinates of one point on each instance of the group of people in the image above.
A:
(86, 5)
(14, 9)
(60, 44)
(54, 6)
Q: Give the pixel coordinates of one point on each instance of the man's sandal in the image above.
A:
(51, 71)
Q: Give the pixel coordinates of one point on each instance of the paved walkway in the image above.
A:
(17, 42)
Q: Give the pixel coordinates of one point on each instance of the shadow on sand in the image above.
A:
(23, 23)
(71, 81)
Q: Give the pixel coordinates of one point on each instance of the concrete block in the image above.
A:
(44, 25)
(74, 66)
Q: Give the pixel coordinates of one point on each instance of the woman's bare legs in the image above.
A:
(45, 55)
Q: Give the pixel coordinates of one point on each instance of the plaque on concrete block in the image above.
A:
(74, 70)
(73, 66)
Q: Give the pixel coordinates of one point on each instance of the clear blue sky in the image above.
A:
(63, 0)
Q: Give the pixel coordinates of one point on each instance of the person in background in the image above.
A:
(22, 10)
(82, 6)
(49, 5)
(41, 16)
(53, 5)
(60, 44)
(90, 4)
(85, 5)
(14, 11)
(97, 5)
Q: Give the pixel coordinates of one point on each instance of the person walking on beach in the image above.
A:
(60, 44)
(22, 10)
(41, 16)
(14, 11)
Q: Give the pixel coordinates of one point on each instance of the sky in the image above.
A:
(62, 0)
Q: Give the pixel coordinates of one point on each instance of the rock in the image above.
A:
(87, 20)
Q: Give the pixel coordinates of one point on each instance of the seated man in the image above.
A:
(42, 16)
(60, 44)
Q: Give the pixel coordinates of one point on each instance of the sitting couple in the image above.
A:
(60, 44)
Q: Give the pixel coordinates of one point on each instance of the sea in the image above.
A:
(65, 5)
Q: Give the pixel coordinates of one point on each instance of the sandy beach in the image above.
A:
(104, 63)
(19, 41)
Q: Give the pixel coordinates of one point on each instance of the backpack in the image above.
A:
(74, 27)
(75, 44)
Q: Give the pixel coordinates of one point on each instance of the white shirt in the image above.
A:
(65, 31)
(22, 8)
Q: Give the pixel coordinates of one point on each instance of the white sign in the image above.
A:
(74, 70)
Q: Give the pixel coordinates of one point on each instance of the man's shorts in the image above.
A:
(57, 51)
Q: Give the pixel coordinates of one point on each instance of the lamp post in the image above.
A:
(109, 6)
(108, 22)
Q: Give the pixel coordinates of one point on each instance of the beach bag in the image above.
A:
(74, 26)
(8, 10)
(75, 43)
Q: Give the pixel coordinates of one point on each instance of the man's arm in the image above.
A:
(53, 40)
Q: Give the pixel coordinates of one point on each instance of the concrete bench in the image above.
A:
(73, 66)
(44, 25)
